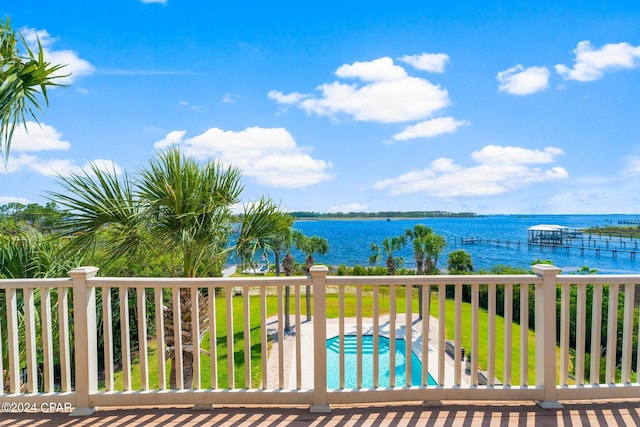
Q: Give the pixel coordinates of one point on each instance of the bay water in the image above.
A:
(350, 241)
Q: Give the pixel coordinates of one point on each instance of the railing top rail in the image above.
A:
(35, 283)
(436, 280)
(593, 279)
(167, 282)
(198, 282)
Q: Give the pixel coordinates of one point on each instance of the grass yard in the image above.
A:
(205, 360)
(332, 312)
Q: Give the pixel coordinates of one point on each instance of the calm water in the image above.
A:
(350, 363)
(350, 241)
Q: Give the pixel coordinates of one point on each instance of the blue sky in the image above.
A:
(491, 107)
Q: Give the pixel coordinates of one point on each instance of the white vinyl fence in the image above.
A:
(89, 341)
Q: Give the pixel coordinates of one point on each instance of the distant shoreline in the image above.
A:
(383, 216)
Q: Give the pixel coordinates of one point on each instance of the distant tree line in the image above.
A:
(386, 214)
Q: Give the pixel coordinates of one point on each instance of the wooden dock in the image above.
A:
(585, 245)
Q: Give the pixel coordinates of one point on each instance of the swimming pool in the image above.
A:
(350, 363)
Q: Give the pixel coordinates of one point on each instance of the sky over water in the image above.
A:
(490, 107)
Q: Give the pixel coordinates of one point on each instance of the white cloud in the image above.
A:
(54, 167)
(496, 155)
(430, 128)
(523, 81)
(431, 62)
(501, 170)
(591, 63)
(378, 70)
(106, 165)
(230, 98)
(184, 104)
(74, 65)
(153, 1)
(291, 98)
(172, 138)
(13, 199)
(349, 207)
(37, 137)
(269, 155)
(17, 163)
(383, 94)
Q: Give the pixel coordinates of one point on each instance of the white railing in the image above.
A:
(112, 346)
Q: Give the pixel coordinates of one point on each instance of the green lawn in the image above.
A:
(483, 336)
(332, 312)
(205, 360)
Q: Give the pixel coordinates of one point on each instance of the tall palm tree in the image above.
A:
(288, 263)
(177, 207)
(282, 240)
(388, 249)
(434, 245)
(310, 246)
(262, 231)
(23, 74)
(418, 236)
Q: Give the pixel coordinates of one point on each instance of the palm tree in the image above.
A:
(460, 262)
(22, 77)
(310, 246)
(434, 245)
(389, 246)
(262, 231)
(177, 207)
(288, 263)
(418, 238)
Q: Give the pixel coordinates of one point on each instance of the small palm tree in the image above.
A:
(389, 247)
(310, 246)
(434, 245)
(460, 262)
(418, 237)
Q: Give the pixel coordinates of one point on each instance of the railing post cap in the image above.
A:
(86, 272)
(319, 270)
(546, 270)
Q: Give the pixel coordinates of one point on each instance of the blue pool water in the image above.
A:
(350, 363)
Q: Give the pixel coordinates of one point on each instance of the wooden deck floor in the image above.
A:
(592, 413)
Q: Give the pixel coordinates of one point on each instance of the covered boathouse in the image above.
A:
(549, 234)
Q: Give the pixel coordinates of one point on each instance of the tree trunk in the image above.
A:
(428, 265)
(190, 343)
(287, 264)
(391, 266)
(277, 261)
(287, 308)
(187, 373)
(308, 265)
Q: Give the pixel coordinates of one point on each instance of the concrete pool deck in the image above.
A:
(307, 349)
